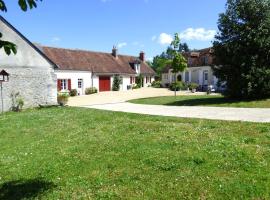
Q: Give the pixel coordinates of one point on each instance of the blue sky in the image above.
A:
(132, 25)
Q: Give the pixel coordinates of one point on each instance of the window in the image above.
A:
(205, 60)
(64, 84)
(173, 78)
(206, 76)
(138, 68)
(190, 61)
(80, 83)
(187, 76)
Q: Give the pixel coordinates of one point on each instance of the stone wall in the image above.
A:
(31, 74)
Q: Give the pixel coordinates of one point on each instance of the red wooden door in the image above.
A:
(104, 83)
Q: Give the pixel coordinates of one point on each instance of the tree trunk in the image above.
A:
(175, 85)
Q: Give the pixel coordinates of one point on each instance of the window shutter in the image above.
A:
(69, 84)
(131, 79)
(59, 87)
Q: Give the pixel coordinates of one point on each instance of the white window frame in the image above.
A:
(64, 84)
(80, 83)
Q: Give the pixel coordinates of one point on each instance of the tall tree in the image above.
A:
(183, 47)
(242, 46)
(8, 46)
(178, 63)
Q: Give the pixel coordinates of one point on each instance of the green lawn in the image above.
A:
(73, 153)
(203, 100)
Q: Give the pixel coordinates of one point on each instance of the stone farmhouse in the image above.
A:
(38, 73)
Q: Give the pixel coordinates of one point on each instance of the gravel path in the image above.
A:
(116, 101)
(217, 113)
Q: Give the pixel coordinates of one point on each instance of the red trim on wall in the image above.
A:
(59, 87)
(69, 84)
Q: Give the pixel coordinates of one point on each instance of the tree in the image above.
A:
(241, 48)
(117, 81)
(10, 47)
(183, 47)
(179, 63)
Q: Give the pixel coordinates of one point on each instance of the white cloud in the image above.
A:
(198, 34)
(138, 44)
(55, 39)
(121, 45)
(165, 39)
(150, 59)
(154, 38)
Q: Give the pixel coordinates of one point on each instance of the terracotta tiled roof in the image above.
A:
(198, 58)
(97, 62)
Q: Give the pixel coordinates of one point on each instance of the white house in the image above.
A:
(79, 69)
(199, 70)
(31, 71)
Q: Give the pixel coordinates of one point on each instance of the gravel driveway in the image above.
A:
(116, 101)
(122, 96)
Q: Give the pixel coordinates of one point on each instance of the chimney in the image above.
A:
(115, 52)
(142, 56)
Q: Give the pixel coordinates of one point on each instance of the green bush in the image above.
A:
(73, 93)
(178, 86)
(193, 86)
(139, 81)
(156, 84)
(117, 81)
(134, 87)
(62, 98)
(17, 102)
(91, 90)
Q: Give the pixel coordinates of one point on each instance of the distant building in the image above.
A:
(199, 70)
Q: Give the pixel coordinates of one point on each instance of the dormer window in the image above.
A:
(137, 66)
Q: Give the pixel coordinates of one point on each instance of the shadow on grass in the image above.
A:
(206, 102)
(24, 189)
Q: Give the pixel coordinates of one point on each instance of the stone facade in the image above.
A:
(31, 73)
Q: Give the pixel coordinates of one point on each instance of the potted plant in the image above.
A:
(62, 98)
(193, 87)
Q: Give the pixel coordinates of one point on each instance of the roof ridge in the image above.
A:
(83, 50)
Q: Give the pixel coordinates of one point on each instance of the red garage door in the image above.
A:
(104, 83)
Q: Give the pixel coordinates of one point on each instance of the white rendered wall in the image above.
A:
(74, 76)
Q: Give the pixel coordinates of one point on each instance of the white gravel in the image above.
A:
(217, 113)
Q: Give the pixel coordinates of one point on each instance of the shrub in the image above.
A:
(139, 81)
(117, 81)
(73, 93)
(91, 90)
(193, 86)
(17, 102)
(178, 86)
(135, 87)
(156, 84)
(62, 98)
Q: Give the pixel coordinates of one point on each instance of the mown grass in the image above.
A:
(203, 100)
(73, 153)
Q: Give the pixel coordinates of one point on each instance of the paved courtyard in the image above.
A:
(116, 101)
(122, 96)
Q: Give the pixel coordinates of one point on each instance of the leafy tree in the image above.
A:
(179, 63)
(183, 47)
(10, 47)
(242, 48)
